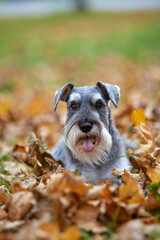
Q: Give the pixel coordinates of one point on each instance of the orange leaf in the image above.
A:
(131, 192)
(5, 106)
(154, 174)
(67, 182)
(138, 116)
(127, 177)
(71, 233)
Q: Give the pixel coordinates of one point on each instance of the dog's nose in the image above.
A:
(86, 127)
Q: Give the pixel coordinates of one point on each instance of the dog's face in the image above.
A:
(87, 126)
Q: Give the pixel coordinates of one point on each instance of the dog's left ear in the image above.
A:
(63, 94)
(111, 92)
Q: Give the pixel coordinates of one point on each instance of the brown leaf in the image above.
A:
(10, 225)
(3, 214)
(19, 153)
(131, 192)
(4, 194)
(66, 183)
(136, 229)
(29, 184)
(127, 177)
(152, 202)
(41, 158)
(71, 233)
(20, 205)
(154, 174)
(147, 143)
(86, 213)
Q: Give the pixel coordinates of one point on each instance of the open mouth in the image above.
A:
(88, 143)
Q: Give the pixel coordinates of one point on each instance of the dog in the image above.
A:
(90, 141)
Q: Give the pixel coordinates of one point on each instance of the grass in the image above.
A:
(81, 37)
(30, 41)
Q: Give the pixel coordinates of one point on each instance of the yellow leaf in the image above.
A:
(127, 177)
(154, 174)
(138, 116)
(71, 233)
(5, 106)
(131, 192)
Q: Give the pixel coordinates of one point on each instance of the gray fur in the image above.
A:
(87, 111)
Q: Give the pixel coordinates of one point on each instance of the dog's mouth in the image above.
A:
(88, 143)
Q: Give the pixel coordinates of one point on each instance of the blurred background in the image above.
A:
(46, 43)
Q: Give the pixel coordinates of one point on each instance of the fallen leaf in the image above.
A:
(152, 202)
(147, 143)
(137, 230)
(10, 225)
(20, 205)
(154, 174)
(131, 192)
(3, 214)
(138, 117)
(127, 177)
(66, 183)
(71, 233)
(4, 194)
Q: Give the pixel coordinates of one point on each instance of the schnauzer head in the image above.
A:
(87, 126)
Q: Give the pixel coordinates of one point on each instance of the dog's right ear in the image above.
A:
(111, 92)
(63, 94)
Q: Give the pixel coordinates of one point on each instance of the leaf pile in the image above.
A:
(39, 199)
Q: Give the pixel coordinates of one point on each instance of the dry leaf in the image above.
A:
(147, 143)
(20, 205)
(127, 177)
(66, 183)
(71, 233)
(4, 194)
(138, 117)
(3, 214)
(10, 225)
(137, 230)
(154, 174)
(131, 192)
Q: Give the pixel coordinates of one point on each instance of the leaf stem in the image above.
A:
(128, 155)
(156, 160)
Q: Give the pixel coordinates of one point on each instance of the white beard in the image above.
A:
(102, 146)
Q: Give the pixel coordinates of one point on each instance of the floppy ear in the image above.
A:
(111, 92)
(63, 94)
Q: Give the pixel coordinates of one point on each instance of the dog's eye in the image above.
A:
(99, 104)
(73, 106)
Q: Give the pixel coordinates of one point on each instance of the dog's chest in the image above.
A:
(92, 174)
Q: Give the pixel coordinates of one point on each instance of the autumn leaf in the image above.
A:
(39, 154)
(48, 201)
(138, 117)
(144, 132)
(154, 174)
(4, 194)
(131, 192)
(66, 183)
(71, 233)
(147, 143)
(20, 204)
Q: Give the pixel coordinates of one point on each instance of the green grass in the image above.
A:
(68, 38)
(28, 42)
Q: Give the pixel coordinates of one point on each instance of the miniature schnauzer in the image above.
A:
(91, 142)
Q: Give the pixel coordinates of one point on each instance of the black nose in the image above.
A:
(86, 127)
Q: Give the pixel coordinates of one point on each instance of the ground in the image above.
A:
(38, 56)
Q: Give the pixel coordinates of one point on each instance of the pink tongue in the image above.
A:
(87, 145)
